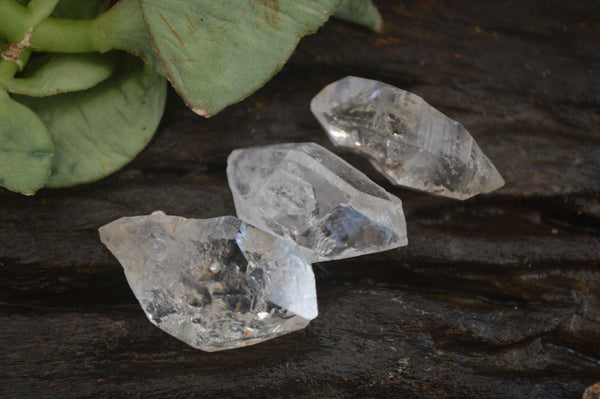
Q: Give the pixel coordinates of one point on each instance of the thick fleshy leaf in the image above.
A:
(63, 73)
(78, 9)
(216, 53)
(40, 9)
(25, 147)
(97, 131)
(123, 27)
(361, 12)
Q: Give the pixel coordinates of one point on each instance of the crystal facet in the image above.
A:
(216, 283)
(307, 193)
(406, 139)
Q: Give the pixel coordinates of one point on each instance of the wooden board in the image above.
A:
(495, 297)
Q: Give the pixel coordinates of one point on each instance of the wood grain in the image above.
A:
(495, 297)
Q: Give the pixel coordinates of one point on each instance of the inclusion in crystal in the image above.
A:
(410, 142)
(307, 193)
(214, 284)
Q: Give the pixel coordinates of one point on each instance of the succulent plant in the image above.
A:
(77, 105)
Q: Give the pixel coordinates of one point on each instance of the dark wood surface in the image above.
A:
(494, 297)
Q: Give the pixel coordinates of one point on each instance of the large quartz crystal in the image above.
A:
(214, 284)
(307, 193)
(406, 139)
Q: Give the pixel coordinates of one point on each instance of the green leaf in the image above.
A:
(123, 27)
(41, 9)
(216, 53)
(25, 147)
(78, 9)
(98, 131)
(361, 12)
(63, 73)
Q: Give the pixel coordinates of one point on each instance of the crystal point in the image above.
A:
(216, 283)
(406, 139)
(307, 193)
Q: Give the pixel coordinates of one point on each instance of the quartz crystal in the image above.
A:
(307, 193)
(216, 283)
(406, 139)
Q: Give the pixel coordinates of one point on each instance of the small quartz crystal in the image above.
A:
(406, 139)
(307, 193)
(216, 283)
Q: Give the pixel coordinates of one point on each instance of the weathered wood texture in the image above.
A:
(495, 297)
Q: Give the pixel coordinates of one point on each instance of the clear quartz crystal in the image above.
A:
(307, 193)
(406, 139)
(214, 284)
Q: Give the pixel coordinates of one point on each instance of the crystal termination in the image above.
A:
(215, 284)
(410, 142)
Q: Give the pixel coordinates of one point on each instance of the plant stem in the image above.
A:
(63, 36)
(8, 69)
(51, 34)
(16, 20)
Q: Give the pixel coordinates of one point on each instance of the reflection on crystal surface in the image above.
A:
(309, 194)
(214, 284)
(406, 139)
